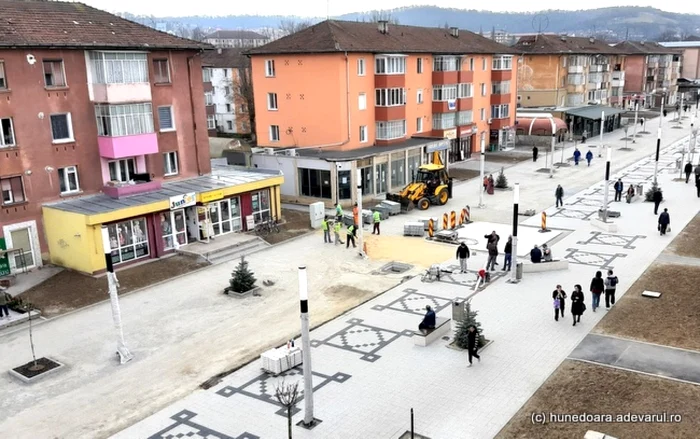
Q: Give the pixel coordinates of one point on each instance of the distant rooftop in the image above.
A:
(337, 154)
(681, 44)
(559, 44)
(236, 35)
(224, 58)
(643, 48)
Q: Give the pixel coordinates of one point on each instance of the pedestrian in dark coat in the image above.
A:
(597, 288)
(664, 221)
(658, 198)
(619, 186)
(688, 170)
(577, 156)
(559, 302)
(697, 171)
(472, 344)
(577, 304)
(559, 194)
(589, 157)
(697, 184)
(508, 251)
(535, 151)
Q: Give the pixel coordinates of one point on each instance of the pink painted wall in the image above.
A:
(635, 74)
(691, 63)
(121, 93)
(128, 146)
(104, 164)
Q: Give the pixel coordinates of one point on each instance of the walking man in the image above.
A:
(610, 284)
(559, 302)
(326, 231)
(559, 194)
(619, 186)
(597, 287)
(336, 231)
(4, 300)
(577, 156)
(589, 157)
(697, 184)
(508, 251)
(350, 237)
(462, 256)
(376, 217)
(535, 151)
(657, 197)
(472, 344)
(664, 222)
(356, 217)
(688, 170)
(338, 212)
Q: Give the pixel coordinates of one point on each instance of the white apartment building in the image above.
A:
(227, 39)
(226, 112)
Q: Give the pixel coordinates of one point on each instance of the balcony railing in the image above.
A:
(127, 146)
(140, 184)
(575, 69)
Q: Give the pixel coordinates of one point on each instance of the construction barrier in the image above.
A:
(544, 222)
(431, 228)
(445, 219)
(453, 220)
(468, 217)
(463, 217)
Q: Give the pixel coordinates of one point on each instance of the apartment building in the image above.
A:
(222, 71)
(103, 125)
(236, 39)
(341, 96)
(690, 57)
(652, 72)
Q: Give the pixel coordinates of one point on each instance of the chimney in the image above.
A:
(218, 50)
(454, 31)
(383, 26)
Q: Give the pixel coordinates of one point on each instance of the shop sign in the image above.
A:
(184, 200)
(468, 131)
(4, 261)
(249, 222)
(212, 196)
(450, 134)
(438, 146)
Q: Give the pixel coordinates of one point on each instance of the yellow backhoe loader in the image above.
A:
(431, 185)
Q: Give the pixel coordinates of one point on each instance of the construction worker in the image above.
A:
(356, 217)
(336, 232)
(350, 237)
(377, 217)
(339, 212)
(326, 231)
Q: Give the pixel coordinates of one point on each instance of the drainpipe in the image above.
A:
(194, 120)
(556, 86)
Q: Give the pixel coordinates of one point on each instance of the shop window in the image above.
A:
(344, 185)
(398, 170)
(225, 216)
(173, 230)
(367, 181)
(128, 240)
(261, 206)
(315, 183)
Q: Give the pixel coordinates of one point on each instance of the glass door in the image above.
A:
(214, 214)
(236, 223)
(225, 216)
(381, 178)
(21, 239)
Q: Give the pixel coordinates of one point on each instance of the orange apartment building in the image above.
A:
(341, 96)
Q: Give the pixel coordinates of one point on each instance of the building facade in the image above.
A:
(690, 58)
(227, 111)
(342, 96)
(236, 39)
(652, 72)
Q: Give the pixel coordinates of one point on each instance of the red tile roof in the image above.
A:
(644, 48)
(353, 36)
(555, 44)
(76, 25)
(227, 59)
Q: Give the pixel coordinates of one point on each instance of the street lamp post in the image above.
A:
(309, 420)
(658, 150)
(514, 249)
(113, 284)
(360, 228)
(606, 191)
(481, 181)
(694, 132)
(602, 127)
(636, 113)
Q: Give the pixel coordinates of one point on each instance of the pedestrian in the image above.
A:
(536, 255)
(338, 212)
(428, 320)
(493, 236)
(577, 156)
(688, 170)
(657, 198)
(336, 231)
(326, 231)
(546, 253)
(486, 183)
(630, 194)
(508, 254)
(697, 171)
(4, 300)
(350, 237)
(377, 217)
(462, 256)
(597, 288)
(697, 184)
(578, 306)
(584, 136)
(589, 157)
(559, 302)
(535, 151)
(356, 217)
(492, 247)
(472, 344)
(664, 222)
(559, 194)
(619, 186)
(665, 113)
(491, 182)
(610, 284)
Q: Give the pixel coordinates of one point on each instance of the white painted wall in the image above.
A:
(219, 80)
(284, 164)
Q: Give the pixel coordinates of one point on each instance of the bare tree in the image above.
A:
(288, 27)
(241, 92)
(668, 35)
(198, 34)
(376, 16)
(288, 395)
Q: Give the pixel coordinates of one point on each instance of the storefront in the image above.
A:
(148, 229)
(461, 146)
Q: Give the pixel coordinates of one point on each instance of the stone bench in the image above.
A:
(557, 264)
(442, 327)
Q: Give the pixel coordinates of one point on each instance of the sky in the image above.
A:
(319, 8)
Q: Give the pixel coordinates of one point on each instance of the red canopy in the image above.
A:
(539, 126)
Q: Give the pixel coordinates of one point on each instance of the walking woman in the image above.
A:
(597, 288)
(559, 301)
(577, 304)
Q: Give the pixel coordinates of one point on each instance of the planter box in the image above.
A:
(253, 291)
(25, 373)
(562, 264)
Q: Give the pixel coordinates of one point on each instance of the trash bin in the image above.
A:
(518, 271)
(640, 189)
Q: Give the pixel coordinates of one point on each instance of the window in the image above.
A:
(161, 71)
(443, 93)
(390, 65)
(499, 111)
(226, 75)
(211, 122)
(362, 101)
(446, 63)
(483, 89)
(483, 63)
(366, 178)
(270, 68)
(500, 88)
(12, 190)
(471, 64)
(361, 67)
(166, 121)
(315, 183)
(444, 121)
(3, 78)
(482, 114)
(272, 101)
(419, 65)
(261, 205)
(54, 75)
(7, 133)
(128, 240)
(390, 97)
(274, 133)
(229, 125)
(394, 129)
(464, 117)
(122, 170)
(363, 133)
(465, 90)
(573, 79)
(502, 62)
(419, 124)
(173, 229)
(419, 96)
(206, 75)
(170, 163)
(398, 169)
(61, 128)
(227, 90)
(124, 120)
(208, 98)
(68, 179)
(118, 67)
(344, 186)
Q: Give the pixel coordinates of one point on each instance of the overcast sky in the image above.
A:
(318, 8)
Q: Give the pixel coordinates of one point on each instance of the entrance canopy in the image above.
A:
(535, 125)
(594, 112)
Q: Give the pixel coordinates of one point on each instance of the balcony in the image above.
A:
(127, 146)
(575, 69)
(618, 82)
(140, 184)
(619, 75)
(120, 93)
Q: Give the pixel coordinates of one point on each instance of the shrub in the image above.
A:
(242, 278)
(649, 195)
(463, 329)
(501, 180)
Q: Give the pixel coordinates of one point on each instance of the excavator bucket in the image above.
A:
(406, 204)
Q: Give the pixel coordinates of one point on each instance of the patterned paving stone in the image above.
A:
(614, 240)
(184, 427)
(600, 260)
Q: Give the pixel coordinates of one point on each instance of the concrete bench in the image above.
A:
(557, 264)
(442, 327)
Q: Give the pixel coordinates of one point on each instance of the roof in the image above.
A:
(76, 25)
(540, 126)
(681, 44)
(236, 35)
(335, 154)
(224, 58)
(556, 44)
(332, 36)
(593, 112)
(643, 48)
(221, 177)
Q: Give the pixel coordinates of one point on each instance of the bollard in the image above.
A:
(544, 223)
(445, 219)
(453, 220)
(468, 218)
(431, 228)
(463, 217)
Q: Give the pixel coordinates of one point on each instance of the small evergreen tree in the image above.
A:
(649, 195)
(463, 329)
(501, 180)
(242, 278)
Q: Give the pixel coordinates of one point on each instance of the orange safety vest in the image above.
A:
(355, 214)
